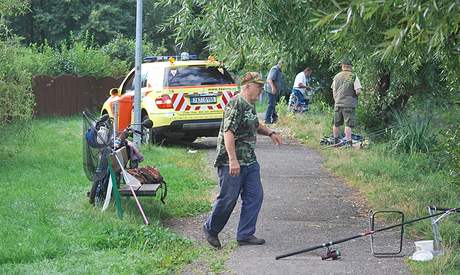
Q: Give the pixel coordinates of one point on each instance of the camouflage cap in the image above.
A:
(251, 77)
(345, 61)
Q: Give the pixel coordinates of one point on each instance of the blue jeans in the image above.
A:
(301, 100)
(247, 184)
(271, 116)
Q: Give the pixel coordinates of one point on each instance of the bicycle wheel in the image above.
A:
(98, 191)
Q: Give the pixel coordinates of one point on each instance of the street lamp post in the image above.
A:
(137, 77)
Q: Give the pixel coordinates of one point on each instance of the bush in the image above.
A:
(20, 64)
(281, 107)
(16, 98)
(448, 151)
(77, 57)
(369, 112)
(413, 134)
(81, 59)
(123, 48)
(39, 59)
(318, 104)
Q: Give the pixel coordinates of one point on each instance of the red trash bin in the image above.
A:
(125, 107)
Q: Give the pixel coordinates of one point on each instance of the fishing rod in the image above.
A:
(335, 254)
(382, 131)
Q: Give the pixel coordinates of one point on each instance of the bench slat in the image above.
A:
(144, 190)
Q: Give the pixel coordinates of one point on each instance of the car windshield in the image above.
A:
(197, 76)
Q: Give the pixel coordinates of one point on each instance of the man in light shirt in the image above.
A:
(346, 89)
(301, 85)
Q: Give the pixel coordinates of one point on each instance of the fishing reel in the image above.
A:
(333, 254)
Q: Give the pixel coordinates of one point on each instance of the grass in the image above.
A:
(262, 103)
(48, 226)
(390, 180)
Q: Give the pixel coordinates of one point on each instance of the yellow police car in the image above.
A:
(184, 97)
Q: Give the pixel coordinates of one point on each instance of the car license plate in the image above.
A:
(203, 99)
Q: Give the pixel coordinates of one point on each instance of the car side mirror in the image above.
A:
(114, 92)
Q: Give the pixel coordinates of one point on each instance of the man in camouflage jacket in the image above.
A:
(237, 166)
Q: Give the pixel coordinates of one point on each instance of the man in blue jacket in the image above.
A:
(273, 87)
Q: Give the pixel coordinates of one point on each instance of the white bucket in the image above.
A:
(422, 256)
(424, 246)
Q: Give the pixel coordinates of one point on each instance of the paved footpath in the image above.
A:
(304, 205)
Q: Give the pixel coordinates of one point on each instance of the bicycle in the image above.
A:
(100, 146)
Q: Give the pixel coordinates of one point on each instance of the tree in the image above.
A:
(400, 48)
(54, 20)
(410, 47)
(105, 21)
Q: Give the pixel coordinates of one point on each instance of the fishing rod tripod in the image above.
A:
(333, 254)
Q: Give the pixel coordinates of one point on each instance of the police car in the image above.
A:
(183, 96)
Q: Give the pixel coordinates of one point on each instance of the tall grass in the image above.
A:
(48, 226)
(413, 134)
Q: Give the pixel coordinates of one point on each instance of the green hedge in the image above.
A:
(80, 57)
(77, 57)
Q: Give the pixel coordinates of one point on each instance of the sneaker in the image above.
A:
(212, 240)
(253, 240)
